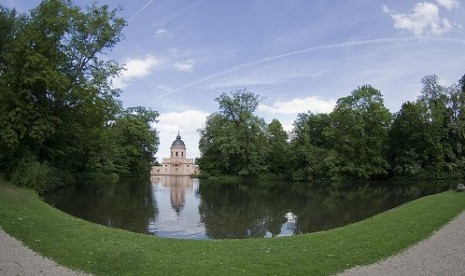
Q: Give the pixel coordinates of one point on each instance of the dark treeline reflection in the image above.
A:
(127, 204)
(243, 210)
(206, 209)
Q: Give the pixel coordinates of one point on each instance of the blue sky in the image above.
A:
(299, 55)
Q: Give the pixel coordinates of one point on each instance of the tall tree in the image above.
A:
(410, 140)
(136, 140)
(434, 98)
(277, 150)
(360, 124)
(232, 141)
(311, 147)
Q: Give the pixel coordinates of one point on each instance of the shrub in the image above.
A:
(33, 174)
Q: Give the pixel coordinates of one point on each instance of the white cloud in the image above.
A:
(449, 4)
(314, 104)
(187, 123)
(186, 66)
(423, 20)
(137, 68)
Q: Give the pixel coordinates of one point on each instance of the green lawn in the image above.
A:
(92, 248)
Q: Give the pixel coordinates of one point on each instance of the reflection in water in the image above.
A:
(127, 204)
(289, 228)
(177, 203)
(181, 207)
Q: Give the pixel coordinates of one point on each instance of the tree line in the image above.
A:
(359, 139)
(59, 113)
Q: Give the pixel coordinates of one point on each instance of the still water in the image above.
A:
(186, 208)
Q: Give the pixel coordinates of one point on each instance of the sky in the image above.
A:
(298, 55)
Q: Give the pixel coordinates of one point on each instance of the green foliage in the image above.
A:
(359, 139)
(277, 150)
(136, 142)
(35, 175)
(232, 141)
(311, 148)
(56, 96)
(428, 135)
(349, 143)
(360, 125)
(409, 140)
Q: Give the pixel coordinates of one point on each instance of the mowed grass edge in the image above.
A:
(99, 250)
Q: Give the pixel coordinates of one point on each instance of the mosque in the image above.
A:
(177, 164)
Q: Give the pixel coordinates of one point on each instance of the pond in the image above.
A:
(187, 208)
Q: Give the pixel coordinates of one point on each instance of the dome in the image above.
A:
(178, 142)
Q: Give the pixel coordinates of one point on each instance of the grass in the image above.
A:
(93, 248)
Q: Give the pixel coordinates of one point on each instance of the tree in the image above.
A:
(136, 141)
(277, 150)
(232, 140)
(311, 147)
(57, 101)
(410, 140)
(456, 95)
(359, 130)
(211, 138)
(434, 98)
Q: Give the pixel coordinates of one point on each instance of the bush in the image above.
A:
(33, 174)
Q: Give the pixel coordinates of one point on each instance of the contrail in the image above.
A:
(312, 49)
(139, 11)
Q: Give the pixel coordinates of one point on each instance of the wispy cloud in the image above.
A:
(424, 20)
(254, 63)
(314, 104)
(140, 10)
(186, 66)
(266, 74)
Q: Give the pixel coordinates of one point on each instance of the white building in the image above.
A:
(177, 164)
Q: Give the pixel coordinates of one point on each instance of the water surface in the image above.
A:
(186, 208)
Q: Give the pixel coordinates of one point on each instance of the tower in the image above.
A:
(178, 148)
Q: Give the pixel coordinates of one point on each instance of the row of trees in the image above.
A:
(359, 139)
(59, 114)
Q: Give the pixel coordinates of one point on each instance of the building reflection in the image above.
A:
(177, 203)
(178, 185)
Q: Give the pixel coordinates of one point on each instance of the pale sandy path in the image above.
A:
(441, 254)
(17, 259)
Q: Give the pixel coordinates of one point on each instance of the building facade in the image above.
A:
(177, 164)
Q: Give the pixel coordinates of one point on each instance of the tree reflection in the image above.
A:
(127, 204)
(245, 210)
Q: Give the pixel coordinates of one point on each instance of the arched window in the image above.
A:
(176, 154)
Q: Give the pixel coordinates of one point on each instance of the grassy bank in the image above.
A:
(103, 251)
